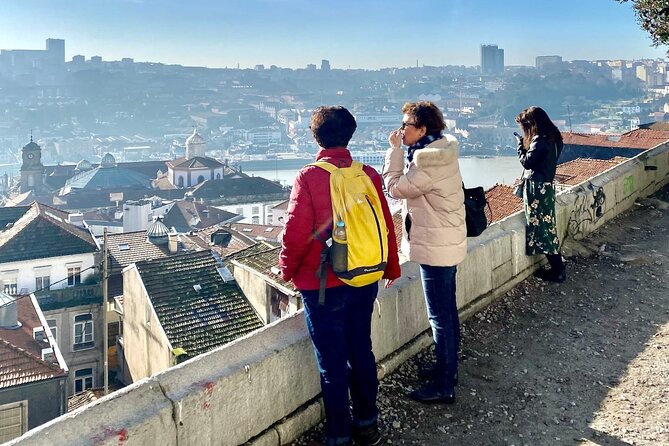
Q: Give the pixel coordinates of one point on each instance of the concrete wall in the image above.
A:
(46, 399)
(146, 347)
(264, 386)
(255, 290)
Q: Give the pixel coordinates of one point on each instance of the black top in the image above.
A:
(540, 160)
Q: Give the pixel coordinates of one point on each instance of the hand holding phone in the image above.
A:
(518, 137)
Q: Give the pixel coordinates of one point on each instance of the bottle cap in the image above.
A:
(340, 223)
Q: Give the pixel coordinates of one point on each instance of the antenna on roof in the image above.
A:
(31, 134)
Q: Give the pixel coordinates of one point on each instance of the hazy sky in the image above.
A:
(350, 33)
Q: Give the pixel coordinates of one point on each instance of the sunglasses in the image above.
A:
(405, 124)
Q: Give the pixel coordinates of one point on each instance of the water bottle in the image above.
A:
(339, 249)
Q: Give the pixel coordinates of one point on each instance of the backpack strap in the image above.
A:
(322, 272)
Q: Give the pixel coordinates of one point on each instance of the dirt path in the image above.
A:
(583, 362)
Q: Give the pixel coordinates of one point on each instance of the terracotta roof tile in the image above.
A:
(20, 354)
(582, 169)
(502, 201)
(641, 139)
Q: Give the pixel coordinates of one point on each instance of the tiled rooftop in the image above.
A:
(263, 262)
(194, 163)
(258, 232)
(236, 187)
(41, 232)
(502, 202)
(196, 320)
(186, 215)
(131, 247)
(20, 354)
(582, 169)
(202, 240)
(641, 139)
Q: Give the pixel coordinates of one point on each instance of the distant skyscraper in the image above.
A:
(56, 50)
(492, 59)
(548, 62)
(325, 65)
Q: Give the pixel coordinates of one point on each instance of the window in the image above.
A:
(13, 420)
(200, 179)
(83, 331)
(10, 286)
(255, 210)
(83, 380)
(53, 326)
(180, 182)
(239, 211)
(73, 275)
(42, 283)
(255, 220)
(123, 247)
(269, 219)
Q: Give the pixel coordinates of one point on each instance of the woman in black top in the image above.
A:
(538, 152)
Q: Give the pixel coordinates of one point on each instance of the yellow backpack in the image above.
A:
(361, 258)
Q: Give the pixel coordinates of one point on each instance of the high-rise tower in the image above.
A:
(492, 59)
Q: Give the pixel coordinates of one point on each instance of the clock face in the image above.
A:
(30, 156)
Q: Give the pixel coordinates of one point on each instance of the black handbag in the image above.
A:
(475, 216)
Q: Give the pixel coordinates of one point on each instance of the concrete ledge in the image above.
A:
(264, 386)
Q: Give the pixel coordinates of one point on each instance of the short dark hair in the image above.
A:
(332, 126)
(427, 115)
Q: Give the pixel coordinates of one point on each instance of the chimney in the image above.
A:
(39, 335)
(173, 242)
(48, 355)
(8, 312)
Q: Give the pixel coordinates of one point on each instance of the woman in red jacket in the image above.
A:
(340, 328)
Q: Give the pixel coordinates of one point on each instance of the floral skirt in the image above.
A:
(540, 231)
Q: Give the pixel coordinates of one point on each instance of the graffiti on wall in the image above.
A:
(628, 186)
(588, 209)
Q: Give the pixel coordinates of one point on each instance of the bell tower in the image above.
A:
(32, 169)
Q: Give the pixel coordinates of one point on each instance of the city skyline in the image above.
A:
(293, 33)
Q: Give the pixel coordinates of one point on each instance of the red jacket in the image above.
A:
(310, 211)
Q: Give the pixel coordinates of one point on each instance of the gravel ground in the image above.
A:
(583, 362)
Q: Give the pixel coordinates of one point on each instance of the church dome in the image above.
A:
(31, 145)
(195, 138)
(83, 166)
(108, 161)
(158, 233)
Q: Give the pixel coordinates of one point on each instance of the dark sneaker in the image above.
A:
(549, 275)
(367, 435)
(429, 373)
(432, 393)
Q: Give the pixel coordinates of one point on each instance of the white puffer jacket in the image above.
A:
(434, 213)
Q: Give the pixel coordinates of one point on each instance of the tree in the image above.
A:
(653, 16)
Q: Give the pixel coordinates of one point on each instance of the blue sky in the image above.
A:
(350, 33)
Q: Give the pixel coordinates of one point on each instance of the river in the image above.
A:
(475, 171)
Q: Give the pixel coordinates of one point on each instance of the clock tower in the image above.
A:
(32, 170)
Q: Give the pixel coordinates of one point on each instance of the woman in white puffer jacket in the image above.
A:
(435, 234)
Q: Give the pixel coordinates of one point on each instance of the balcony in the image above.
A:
(69, 297)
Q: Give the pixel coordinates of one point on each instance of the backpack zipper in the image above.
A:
(378, 225)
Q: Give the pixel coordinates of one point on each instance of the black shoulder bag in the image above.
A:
(475, 216)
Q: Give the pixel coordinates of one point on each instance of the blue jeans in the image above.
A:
(442, 311)
(340, 331)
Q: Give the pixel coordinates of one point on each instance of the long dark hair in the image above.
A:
(535, 121)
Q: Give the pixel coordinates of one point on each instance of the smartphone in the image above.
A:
(518, 137)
